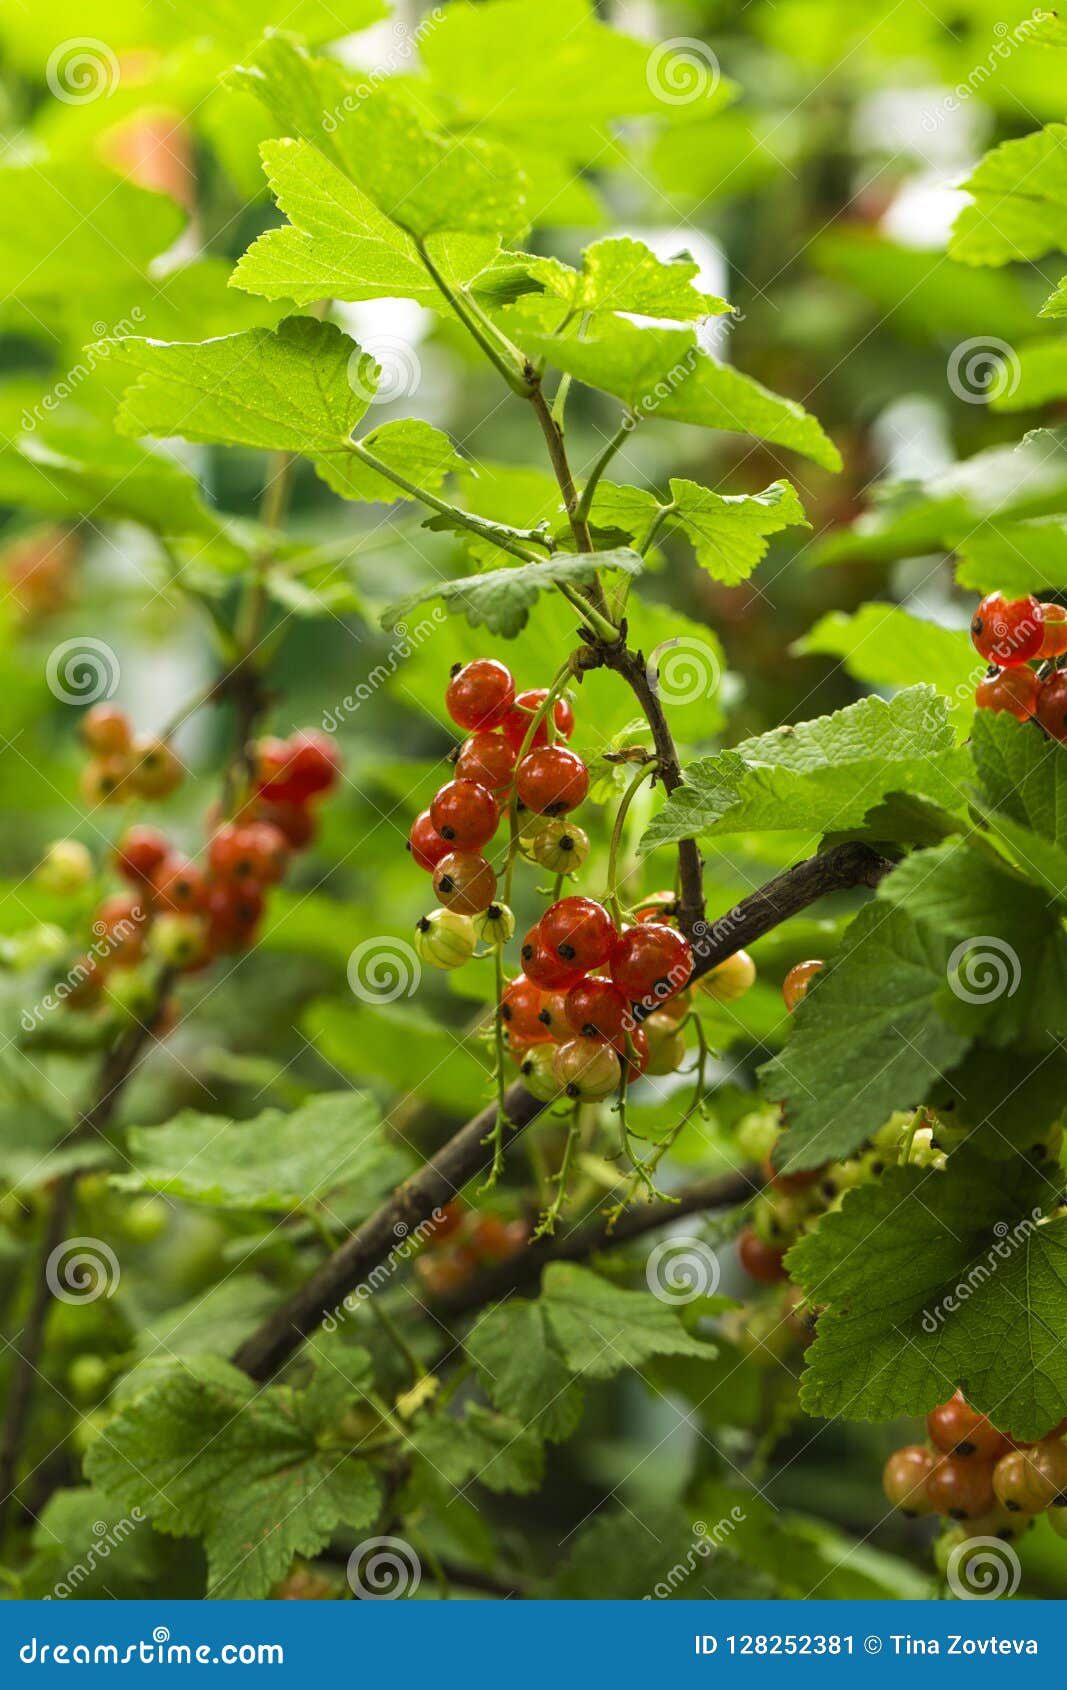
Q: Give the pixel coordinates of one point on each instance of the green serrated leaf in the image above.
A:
(523, 1370)
(501, 599)
(602, 1329)
(494, 1450)
(884, 645)
(729, 532)
(216, 1457)
(1020, 201)
(938, 1281)
(274, 1162)
(820, 776)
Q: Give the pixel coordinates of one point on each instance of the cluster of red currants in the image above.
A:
(124, 765)
(513, 751)
(971, 1471)
(463, 1240)
(185, 915)
(594, 1004)
(1011, 634)
(38, 569)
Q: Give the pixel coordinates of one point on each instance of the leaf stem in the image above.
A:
(464, 519)
(625, 428)
(496, 346)
(645, 772)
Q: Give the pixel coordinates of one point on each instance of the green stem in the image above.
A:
(612, 895)
(497, 1134)
(562, 676)
(396, 1337)
(465, 519)
(654, 527)
(547, 1224)
(625, 428)
(496, 346)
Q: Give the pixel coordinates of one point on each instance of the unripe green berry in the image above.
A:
(495, 926)
(65, 868)
(538, 1072)
(445, 939)
(87, 1375)
(178, 940)
(757, 1134)
(587, 1069)
(145, 1219)
(778, 1217)
(130, 991)
(561, 847)
(666, 1044)
(730, 980)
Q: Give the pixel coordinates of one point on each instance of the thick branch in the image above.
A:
(503, 1278)
(351, 1270)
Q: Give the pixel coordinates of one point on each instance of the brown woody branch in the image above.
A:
(465, 1155)
(500, 1280)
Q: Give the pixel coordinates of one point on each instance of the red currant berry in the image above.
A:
(465, 882)
(271, 760)
(296, 821)
(580, 931)
(760, 1260)
(1014, 690)
(314, 764)
(961, 1489)
(254, 851)
(551, 781)
(139, 853)
(651, 962)
(1008, 631)
(480, 694)
(465, 814)
(904, 1479)
(155, 771)
(1051, 709)
(797, 983)
(517, 722)
(105, 780)
(544, 967)
(233, 913)
(520, 1009)
(553, 1016)
(597, 1009)
(425, 843)
(956, 1429)
(488, 759)
(106, 730)
(1054, 639)
(178, 885)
